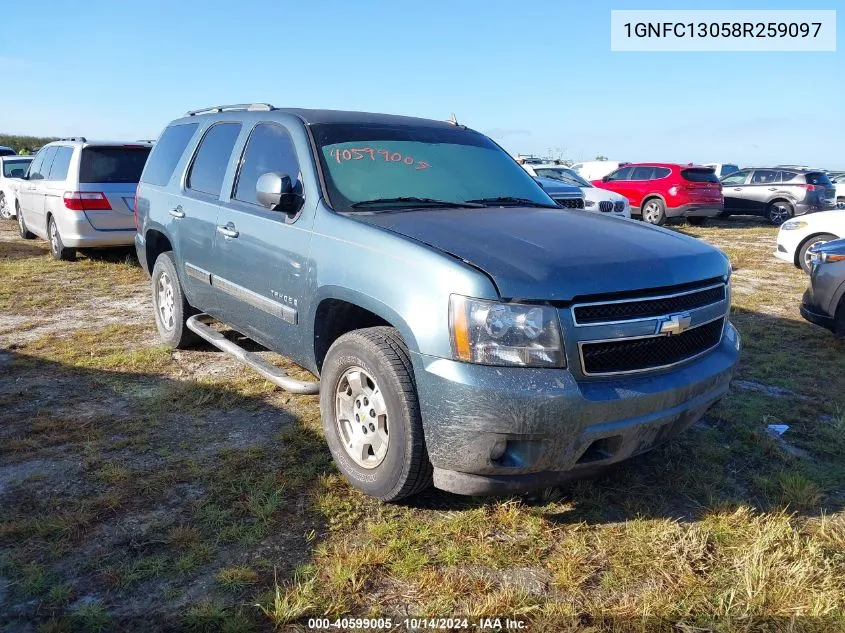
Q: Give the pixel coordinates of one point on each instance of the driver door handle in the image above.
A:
(773, 188)
(228, 230)
(177, 212)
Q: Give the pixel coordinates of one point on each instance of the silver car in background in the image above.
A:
(12, 169)
(81, 194)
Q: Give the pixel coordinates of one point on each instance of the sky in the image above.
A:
(538, 77)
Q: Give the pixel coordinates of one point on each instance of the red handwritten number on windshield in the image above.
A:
(384, 154)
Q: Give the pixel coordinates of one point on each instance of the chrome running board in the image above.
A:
(199, 324)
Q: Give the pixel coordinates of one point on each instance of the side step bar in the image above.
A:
(199, 324)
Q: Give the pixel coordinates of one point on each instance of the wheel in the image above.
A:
(779, 212)
(169, 304)
(804, 251)
(5, 209)
(371, 415)
(697, 220)
(24, 232)
(654, 211)
(57, 247)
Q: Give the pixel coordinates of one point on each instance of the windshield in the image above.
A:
(15, 168)
(424, 165)
(563, 174)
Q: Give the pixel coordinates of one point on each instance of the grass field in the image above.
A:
(142, 488)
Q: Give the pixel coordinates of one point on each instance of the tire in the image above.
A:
(654, 211)
(5, 209)
(169, 304)
(803, 252)
(57, 247)
(22, 230)
(387, 459)
(698, 220)
(779, 212)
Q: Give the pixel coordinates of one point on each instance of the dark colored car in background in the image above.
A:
(659, 191)
(7, 151)
(824, 301)
(778, 193)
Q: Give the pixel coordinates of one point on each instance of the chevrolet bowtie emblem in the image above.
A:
(674, 324)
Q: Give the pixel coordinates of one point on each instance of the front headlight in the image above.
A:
(495, 333)
(792, 225)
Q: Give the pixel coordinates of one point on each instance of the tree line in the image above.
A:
(25, 144)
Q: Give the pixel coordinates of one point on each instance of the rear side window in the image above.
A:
(44, 168)
(167, 152)
(112, 163)
(61, 163)
(699, 175)
(786, 176)
(660, 172)
(764, 176)
(818, 178)
(727, 170)
(642, 173)
(212, 158)
(269, 148)
(15, 168)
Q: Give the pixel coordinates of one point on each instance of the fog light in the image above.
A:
(498, 449)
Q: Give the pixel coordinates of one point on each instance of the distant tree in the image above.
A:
(24, 144)
(600, 157)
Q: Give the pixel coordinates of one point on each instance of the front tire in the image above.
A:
(804, 251)
(371, 414)
(779, 212)
(57, 247)
(170, 305)
(22, 230)
(654, 212)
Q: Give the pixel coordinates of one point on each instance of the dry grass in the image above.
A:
(179, 486)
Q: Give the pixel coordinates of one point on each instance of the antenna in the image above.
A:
(453, 120)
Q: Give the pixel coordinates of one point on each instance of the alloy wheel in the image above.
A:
(166, 301)
(361, 418)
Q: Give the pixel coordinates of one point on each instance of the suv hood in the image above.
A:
(554, 255)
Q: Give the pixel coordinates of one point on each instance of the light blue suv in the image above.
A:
(465, 329)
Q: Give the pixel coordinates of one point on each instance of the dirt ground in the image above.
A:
(147, 489)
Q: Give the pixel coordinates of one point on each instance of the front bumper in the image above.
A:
(549, 427)
(695, 209)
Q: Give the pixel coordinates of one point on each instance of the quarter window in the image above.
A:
(269, 149)
(213, 155)
(61, 163)
(167, 152)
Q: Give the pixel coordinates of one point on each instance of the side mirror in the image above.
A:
(275, 191)
(605, 178)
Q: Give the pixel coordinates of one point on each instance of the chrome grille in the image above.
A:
(650, 352)
(644, 308)
(605, 206)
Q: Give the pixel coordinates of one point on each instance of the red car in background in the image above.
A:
(658, 191)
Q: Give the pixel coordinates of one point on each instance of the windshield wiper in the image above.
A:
(503, 201)
(413, 201)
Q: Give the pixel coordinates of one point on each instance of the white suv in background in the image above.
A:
(12, 169)
(723, 169)
(595, 199)
(80, 194)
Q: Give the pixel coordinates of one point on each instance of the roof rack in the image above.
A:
(265, 107)
(81, 139)
(146, 140)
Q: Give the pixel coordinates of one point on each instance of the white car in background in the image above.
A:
(797, 236)
(595, 199)
(12, 168)
(838, 181)
(723, 169)
(597, 169)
